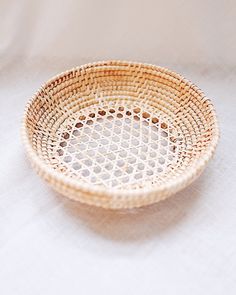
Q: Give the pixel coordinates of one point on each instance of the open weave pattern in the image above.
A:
(119, 134)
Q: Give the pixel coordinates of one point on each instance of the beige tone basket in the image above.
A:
(119, 134)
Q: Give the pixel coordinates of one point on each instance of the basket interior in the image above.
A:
(119, 127)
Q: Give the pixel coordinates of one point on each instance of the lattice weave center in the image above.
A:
(119, 134)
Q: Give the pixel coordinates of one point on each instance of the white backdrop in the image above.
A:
(166, 31)
(50, 245)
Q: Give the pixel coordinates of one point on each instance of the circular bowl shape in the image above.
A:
(119, 134)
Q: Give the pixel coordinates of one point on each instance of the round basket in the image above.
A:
(119, 134)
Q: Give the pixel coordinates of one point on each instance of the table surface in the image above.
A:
(50, 245)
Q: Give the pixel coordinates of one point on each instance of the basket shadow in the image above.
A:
(137, 224)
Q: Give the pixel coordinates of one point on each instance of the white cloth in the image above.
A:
(50, 245)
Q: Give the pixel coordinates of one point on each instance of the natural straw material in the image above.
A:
(119, 134)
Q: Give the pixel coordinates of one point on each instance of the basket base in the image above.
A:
(118, 144)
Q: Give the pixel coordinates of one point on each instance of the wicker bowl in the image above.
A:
(119, 134)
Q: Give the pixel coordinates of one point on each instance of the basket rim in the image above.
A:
(173, 185)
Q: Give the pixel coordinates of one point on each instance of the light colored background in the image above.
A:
(184, 245)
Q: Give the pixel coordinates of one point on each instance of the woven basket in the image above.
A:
(119, 134)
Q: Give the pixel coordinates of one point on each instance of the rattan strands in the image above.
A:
(119, 134)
